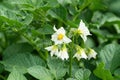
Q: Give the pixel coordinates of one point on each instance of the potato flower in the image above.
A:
(80, 53)
(91, 54)
(83, 31)
(63, 54)
(59, 36)
(53, 50)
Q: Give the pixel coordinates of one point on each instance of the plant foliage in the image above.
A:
(26, 27)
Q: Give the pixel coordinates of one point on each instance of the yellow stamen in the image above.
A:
(60, 36)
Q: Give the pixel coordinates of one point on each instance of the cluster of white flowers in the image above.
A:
(81, 53)
(60, 39)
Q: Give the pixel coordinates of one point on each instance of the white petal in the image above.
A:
(53, 50)
(54, 36)
(52, 53)
(84, 37)
(78, 56)
(66, 39)
(49, 48)
(83, 55)
(92, 54)
(81, 25)
(84, 30)
(55, 29)
(61, 30)
(58, 42)
(63, 54)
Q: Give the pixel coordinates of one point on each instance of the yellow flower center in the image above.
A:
(60, 36)
(79, 31)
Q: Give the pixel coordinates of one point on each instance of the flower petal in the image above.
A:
(49, 48)
(67, 40)
(53, 50)
(80, 53)
(85, 32)
(55, 29)
(92, 54)
(63, 54)
(84, 37)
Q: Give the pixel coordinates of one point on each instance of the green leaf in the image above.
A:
(75, 2)
(19, 1)
(52, 3)
(56, 13)
(110, 56)
(84, 3)
(117, 73)
(114, 6)
(46, 29)
(103, 73)
(71, 79)
(40, 73)
(90, 43)
(105, 19)
(15, 75)
(102, 38)
(42, 43)
(110, 17)
(82, 74)
(14, 17)
(98, 18)
(93, 77)
(16, 48)
(57, 67)
(97, 5)
(64, 2)
(28, 19)
(33, 4)
(22, 62)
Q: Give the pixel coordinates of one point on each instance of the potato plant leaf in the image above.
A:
(40, 73)
(15, 75)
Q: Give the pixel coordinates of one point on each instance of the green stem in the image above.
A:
(70, 66)
(76, 16)
(2, 77)
(70, 59)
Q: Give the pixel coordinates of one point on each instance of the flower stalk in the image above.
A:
(70, 57)
(70, 65)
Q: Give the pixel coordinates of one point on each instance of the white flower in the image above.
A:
(80, 53)
(53, 50)
(83, 31)
(91, 54)
(63, 54)
(59, 36)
